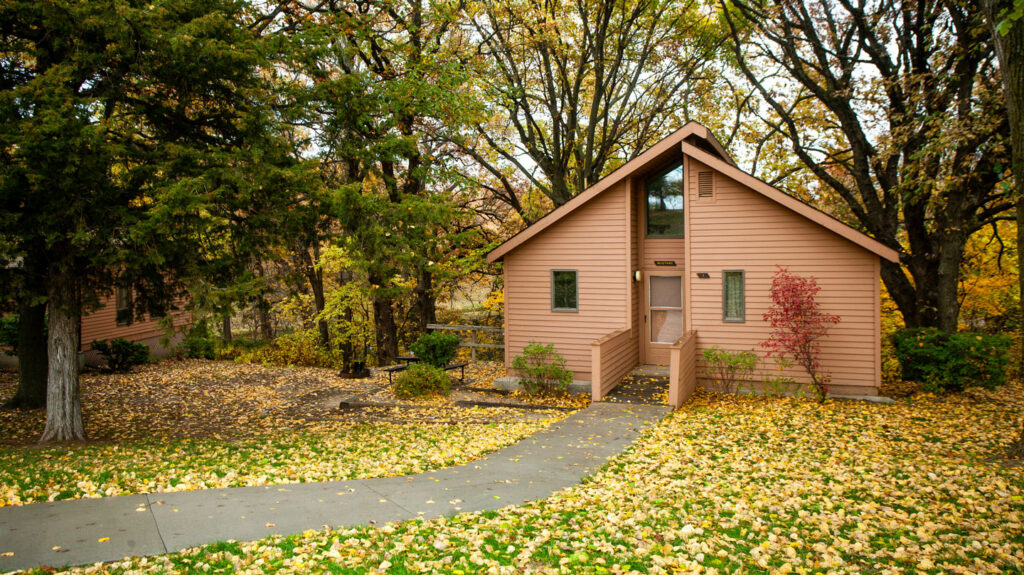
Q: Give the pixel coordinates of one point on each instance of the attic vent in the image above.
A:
(705, 185)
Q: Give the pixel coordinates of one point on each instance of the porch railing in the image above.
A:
(611, 358)
(682, 369)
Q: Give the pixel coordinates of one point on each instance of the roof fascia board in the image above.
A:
(779, 197)
(608, 181)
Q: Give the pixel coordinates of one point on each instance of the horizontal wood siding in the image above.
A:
(591, 241)
(743, 230)
(682, 369)
(102, 324)
(664, 250)
(612, 357)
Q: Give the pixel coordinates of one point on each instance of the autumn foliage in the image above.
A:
(798, 325)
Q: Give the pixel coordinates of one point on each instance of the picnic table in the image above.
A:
(410, 359)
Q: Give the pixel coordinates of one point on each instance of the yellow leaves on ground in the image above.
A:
(727, 484)
(479, 376)
(186, 425)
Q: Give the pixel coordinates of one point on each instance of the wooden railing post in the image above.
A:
(682, 369)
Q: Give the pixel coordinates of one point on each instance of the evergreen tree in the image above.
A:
(119, 121)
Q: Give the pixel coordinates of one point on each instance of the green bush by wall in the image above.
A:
(950, 362)
(121, 354)
(541, 368)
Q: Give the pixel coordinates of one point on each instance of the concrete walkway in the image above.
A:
(157, 523)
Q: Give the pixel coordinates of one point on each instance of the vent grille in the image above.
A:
(705, 185)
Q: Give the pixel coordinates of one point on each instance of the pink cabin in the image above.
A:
(673, 253)
(114, 319)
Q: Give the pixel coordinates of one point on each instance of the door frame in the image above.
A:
(646, 346)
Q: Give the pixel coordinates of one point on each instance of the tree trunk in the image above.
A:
(1010, 52)
(32, 357)
(315, 276)
(347, 345)
(225, 328)
(384, 324)
(931, 300)
(263, 319)
(63, 408)
(948, 281)
(424, 303)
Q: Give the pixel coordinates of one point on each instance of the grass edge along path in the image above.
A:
(328, 453)
(58, 533)
(727, 484)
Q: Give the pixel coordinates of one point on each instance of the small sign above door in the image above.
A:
(664, 262)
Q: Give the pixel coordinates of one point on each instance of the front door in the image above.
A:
(664, 315)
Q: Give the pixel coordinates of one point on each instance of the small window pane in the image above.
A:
(733, 303)
(666, 291)
(124, 305)
(563, 289)
(666, 325)
(665, 203)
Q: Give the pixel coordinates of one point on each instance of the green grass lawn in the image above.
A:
(727, 484)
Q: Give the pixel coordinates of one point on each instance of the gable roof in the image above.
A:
(721, 162)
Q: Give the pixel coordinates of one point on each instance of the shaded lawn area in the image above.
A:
(726, 484)
(180, 425)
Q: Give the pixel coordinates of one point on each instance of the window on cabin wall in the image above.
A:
(124, 305)
(734, 305)
(564, 290)
(665, 203)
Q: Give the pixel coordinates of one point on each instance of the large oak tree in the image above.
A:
(904, 123)
(573, 89)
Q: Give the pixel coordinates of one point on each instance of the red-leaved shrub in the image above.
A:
(798, 325)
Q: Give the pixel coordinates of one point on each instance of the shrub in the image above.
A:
(729, 368)
(422, 379)
(121, 354)
(798, 325)
(239, 346)
(437, 348)
(949, 362)
(9, 333)
(777, 383)
(301, 348)
(197, 347)
(541, 368)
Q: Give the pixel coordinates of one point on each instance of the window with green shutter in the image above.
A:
(564, 291)
(733, 296)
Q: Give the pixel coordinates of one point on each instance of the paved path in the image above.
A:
(156, 523)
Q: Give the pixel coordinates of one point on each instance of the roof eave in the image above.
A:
(619, 174)
(778, 196)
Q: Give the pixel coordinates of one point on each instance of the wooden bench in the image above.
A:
(395, 369)
(460, 366)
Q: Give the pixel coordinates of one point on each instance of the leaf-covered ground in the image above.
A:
(726, 484)
(180, 425)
